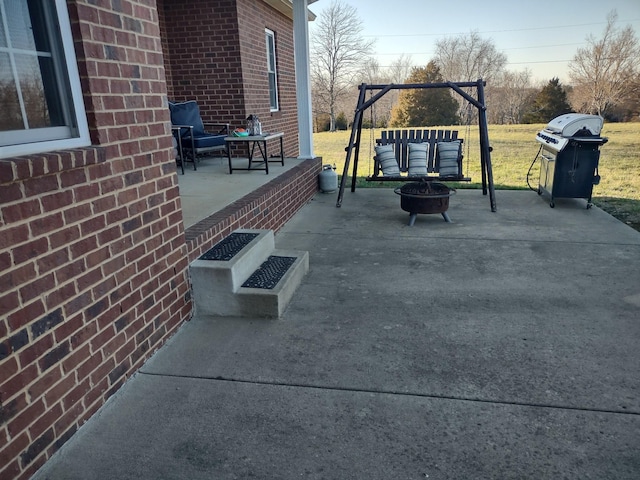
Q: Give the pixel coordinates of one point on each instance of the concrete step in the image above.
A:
(244, 275)
(230, 262)
(271, 302)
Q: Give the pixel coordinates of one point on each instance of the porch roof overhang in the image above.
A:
(286, 8)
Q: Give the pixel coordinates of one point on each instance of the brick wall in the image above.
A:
(253, 19)
(201, 42)
(220, 61)
(92, 249)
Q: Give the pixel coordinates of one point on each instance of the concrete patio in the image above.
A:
(500, 346)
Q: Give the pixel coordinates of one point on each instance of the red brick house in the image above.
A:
(93, 251)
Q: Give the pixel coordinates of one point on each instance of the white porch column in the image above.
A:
(303, 78)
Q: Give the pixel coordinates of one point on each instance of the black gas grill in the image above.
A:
(569, 156)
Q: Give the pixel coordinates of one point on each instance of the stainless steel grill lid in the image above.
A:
(571, 127)
(576, 124)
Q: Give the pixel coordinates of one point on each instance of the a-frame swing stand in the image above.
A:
(353, 149)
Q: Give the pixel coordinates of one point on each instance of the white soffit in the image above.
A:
(286, 8)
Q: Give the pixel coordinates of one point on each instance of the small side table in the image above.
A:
(251, 141)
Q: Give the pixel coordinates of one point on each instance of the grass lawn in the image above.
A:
(514, 149)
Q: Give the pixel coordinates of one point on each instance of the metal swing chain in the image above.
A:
(371, 134)
(468, 137)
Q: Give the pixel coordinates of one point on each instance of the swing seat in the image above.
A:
(438, 156)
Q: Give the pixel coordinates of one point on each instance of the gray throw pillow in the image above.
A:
(447, 155)
(418, 159)
(386, 158)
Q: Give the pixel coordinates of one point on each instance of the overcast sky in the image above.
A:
(541, 36)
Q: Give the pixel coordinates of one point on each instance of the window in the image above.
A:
(271, 69)
(40, 93)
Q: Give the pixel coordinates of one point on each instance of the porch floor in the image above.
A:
(210, 188)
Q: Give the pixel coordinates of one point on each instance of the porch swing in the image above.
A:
(442, 148)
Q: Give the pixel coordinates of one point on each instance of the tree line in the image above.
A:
(604, 76)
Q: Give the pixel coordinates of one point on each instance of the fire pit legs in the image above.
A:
(413, 216)
(425, 197)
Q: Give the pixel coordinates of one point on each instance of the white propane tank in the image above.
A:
(328, 179)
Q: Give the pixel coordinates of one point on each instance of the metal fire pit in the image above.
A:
(425, 197)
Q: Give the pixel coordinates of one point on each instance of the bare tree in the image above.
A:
(509, 95)
(338, 51)
(603, 73)
(466, 58)
(397, 72)
(400, 69)
(379, 113)
(371, 72)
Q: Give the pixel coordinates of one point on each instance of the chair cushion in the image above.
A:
(447, 156)
(203, 141)
(386, 157)
(187, 113)
(417, 159)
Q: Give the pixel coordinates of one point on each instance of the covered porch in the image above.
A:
(215, 203)
(214, 53)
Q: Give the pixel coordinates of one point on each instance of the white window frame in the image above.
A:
(32, 141)
(272, 70)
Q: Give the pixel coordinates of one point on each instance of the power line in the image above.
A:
(546, 46)
(509, 48)
(513, 63)
(538, 61)
(548, 27)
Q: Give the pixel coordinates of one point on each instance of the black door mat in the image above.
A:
(270, 272)
(228, 247)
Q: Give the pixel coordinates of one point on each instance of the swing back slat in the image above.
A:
(400, 140)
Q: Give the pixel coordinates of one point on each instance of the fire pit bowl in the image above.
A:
(425, 197)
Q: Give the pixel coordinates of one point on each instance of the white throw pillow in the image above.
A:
(386, 158)
(447, 155)
(418, 159)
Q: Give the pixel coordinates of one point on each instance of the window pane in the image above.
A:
(271, 70)
(3, 33)
(19, 21)
(272, 91)
(11, 118)
(40, 89)
(33, 90)
(271, 51)
(40, 27)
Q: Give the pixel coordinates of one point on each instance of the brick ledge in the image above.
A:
(29, 166)
(262, 208)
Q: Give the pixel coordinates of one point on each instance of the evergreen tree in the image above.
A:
(549, 103)
(341, 121)
(425, 107)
